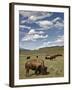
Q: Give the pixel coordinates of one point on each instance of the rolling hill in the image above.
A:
(46, 50)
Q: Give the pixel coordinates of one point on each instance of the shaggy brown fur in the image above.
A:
(36, 65)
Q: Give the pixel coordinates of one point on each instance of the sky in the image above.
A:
(39, 29)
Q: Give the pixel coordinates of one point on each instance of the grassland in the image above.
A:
(55, 67)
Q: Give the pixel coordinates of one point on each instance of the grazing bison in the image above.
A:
(37, 56)
(50, 57)
(28, 57)
(47, 57)
(58, 54)
(36, 65)
(53, 56)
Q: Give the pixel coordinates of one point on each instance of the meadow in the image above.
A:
(55, 67)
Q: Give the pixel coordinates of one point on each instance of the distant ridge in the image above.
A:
(41, 48)
(47, 50)
(52, 47)
(25, 49)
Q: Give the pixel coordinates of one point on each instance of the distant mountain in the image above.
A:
(52, 47)
(25, 50)
(48, 50)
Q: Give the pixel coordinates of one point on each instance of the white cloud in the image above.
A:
(33, 18)
(56, 19)
(58, 42)
(23, 26)
(58, 22)
(36, 17)
(32, 31)
(34, 35)
(59, 25)
(26, 13)
(41, 32)
(45, 24)
(23, 21)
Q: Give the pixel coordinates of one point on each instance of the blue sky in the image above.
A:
(40, 29)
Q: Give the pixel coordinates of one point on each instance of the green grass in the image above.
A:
(55, 67)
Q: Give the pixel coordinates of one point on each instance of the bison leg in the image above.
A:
(27, 72)
(36, 71)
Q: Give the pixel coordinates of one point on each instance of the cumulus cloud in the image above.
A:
(35, 15)
(58, 42)
(59, 25)
(32, 31)
(56, 19)
(58, 22)
(48, 24)
(38, 18)
(37, 24)
(24, 26)
(45, 24)
(33, 35)
(23, 21)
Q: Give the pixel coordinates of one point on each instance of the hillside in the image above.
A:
(46, 50)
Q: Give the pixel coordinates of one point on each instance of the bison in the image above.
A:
(28, 57)
(37, 56)
(53, 56)
(36, 65)
(58, 54)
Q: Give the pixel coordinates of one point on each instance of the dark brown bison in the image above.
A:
(47, 57)
(28, 57)
(37, 56)
(58, 54)
(50, 57)
(53, 56)
(36, 65)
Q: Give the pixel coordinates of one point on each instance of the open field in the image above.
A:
(55, 67)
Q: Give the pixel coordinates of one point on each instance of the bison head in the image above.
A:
(44, 70)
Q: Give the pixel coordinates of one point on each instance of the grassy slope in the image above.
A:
(48, 50)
